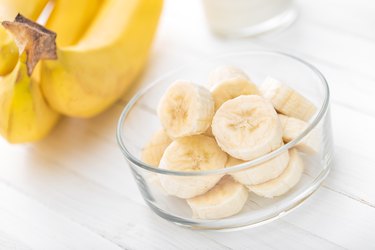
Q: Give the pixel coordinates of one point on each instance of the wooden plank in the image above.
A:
(10, 243)
(272, 236)
(353, 131)
(343, 221)
(333, 15)
(124, 222)
(109, 214)
(39, 228)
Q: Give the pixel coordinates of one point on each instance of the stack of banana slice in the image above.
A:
(230, 124)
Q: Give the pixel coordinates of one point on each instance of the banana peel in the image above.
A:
(8, 52)
(8, 10)
(30, 9)
(79, 79)
(24, 113)
(91, 75)
(71, 29)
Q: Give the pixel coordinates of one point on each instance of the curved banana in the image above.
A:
(80, 14)
(28, 8)
(24, 113)
(8, 10)
(93, 74)
(25, 116)
(8, 52)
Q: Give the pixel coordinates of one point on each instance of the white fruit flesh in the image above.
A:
(228, 83)
(224, 73)
(225, 199)
(282, 184)
(247, 127)
(260, 173)
(286, 100)
(185, 109)
(192, 153)
(293, 127)
(154, 149)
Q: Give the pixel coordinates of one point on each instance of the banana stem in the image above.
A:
(37, 41)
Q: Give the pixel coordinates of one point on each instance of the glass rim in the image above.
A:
(246, 165)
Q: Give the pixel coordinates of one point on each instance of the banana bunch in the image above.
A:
(230, 124)
(83, 59)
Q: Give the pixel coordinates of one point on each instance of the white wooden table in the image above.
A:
(73, 190)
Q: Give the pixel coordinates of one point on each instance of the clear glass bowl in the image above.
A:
(139, 121)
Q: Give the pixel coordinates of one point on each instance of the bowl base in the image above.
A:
(227, 225)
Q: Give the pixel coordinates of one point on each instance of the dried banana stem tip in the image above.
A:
(37, 41)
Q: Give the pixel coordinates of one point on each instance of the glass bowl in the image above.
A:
(139, 121)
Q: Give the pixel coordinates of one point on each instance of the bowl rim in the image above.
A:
(246, 165)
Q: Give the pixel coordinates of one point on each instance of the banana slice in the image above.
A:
(186, 109)
(247, 127)
(293, 127)
(227, 198)
(261, 173)
(193, 153)
(224, 73)
(228, 83)
(287, 180)
(154, 149)
(286, 100)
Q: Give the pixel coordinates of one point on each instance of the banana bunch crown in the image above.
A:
(51, 65)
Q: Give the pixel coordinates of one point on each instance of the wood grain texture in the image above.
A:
(74, 190)
(9, 242)
(35, 226)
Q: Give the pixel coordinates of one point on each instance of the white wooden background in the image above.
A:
(74, 190)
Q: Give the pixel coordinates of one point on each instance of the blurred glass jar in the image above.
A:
(241, 18)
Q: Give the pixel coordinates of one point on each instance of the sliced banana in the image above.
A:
(224, 73)
(260, 173)
(193, 153)
(287, 180)
(185, 109)
(154, 149)
(225, 199)
(286, 100)
(228, 83)
(293, 127)
(247, 127)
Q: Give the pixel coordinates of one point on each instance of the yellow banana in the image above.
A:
(70, 19)
(8, 10)
(28, 8)
(25, 116)
(24, 113)
(8, 52)
(90, 76)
